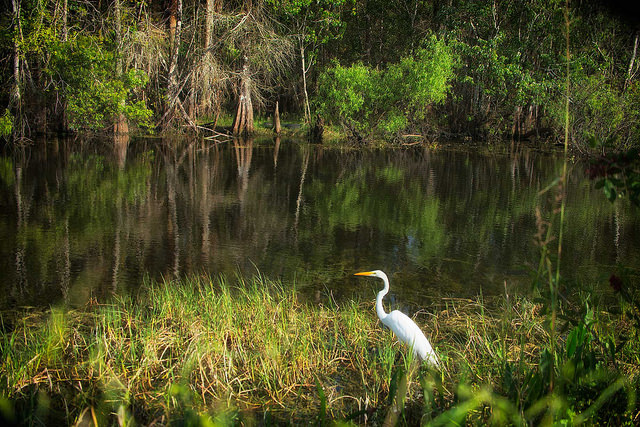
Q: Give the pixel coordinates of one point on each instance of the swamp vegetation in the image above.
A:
(371, 70)
(92, 331)
(184, 340)
(208, 350)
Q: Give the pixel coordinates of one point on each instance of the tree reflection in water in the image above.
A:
(81, 220)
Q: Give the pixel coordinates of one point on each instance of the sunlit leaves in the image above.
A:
(345, 95)
(368, 100)
(6, 124)
(83, 70)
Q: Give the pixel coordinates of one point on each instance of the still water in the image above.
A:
(82, 220)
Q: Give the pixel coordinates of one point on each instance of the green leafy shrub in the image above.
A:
(83, 69)
(603, 114)
(6, 124)
(346, 94)
(367, 101)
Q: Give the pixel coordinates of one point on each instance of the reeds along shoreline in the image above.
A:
(202, 349)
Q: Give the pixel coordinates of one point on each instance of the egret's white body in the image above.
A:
(405, 329)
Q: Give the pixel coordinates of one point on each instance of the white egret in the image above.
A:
(405, 329)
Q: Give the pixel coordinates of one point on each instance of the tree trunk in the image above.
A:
(191, 111)
(307, 110)
(516, 127)
(317, 130)
(65, 28)
(208, 24)
(64, 122)
(208, 78)
(120, 125)
(16, 94)
(15, 91)
(243, 122)
(173, 22)
(175, 25)
(205, 99)
(276, 120)
(632, 62)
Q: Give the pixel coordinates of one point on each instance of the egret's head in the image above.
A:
(374, 273)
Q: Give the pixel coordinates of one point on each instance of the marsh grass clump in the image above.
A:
(204, 350)
(499, 368)
(200, 344)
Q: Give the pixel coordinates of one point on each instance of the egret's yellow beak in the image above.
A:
(364, 273)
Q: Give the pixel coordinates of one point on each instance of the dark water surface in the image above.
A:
(85, 220)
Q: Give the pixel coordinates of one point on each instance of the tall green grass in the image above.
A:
(201, 344)
(209, 350)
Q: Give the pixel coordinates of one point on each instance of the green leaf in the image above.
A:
(609, 190)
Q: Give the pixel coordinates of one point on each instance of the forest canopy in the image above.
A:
(375, 69)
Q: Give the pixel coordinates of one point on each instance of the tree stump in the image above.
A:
(317, 131)
(243, 122)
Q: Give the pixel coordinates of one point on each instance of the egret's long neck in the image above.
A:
(379, 307)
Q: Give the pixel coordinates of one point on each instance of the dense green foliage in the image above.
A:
(67, 71)
(379, 68)
(392, 100)
(82, 72)
(6, 124)
(605, 117)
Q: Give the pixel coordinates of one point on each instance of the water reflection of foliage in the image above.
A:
(450, 222)
(357, 196)
(6, 171)
(84, 200)
(97, 188)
